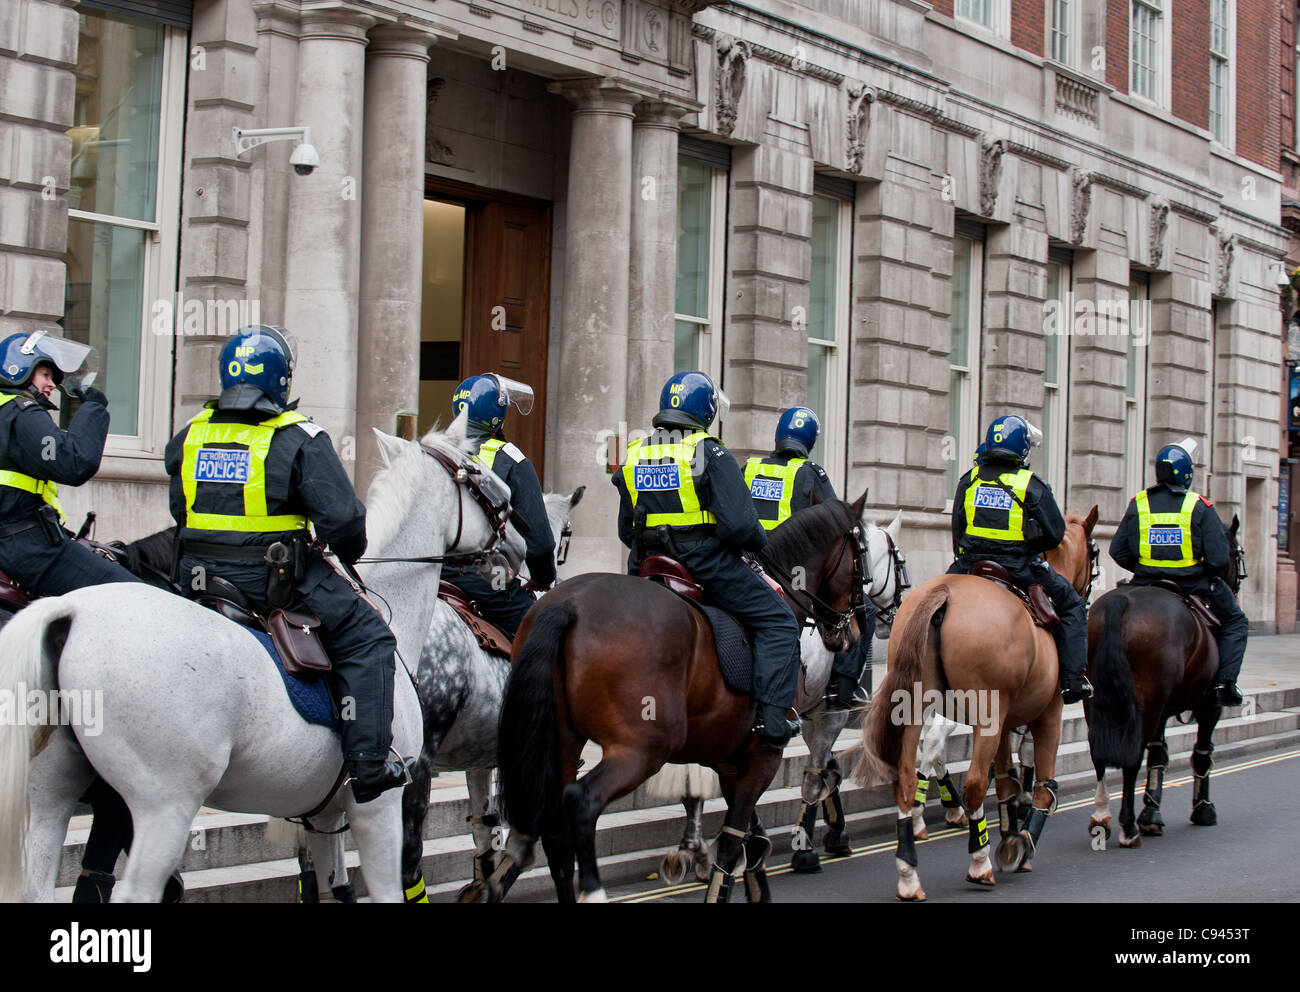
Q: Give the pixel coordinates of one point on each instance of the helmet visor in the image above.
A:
(724, 404)
(1188, 444)
(68, 356)
(83, 377)
(518, 393)
(1035, 435)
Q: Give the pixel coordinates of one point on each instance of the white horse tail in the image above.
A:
(677, 782)
(29, 656)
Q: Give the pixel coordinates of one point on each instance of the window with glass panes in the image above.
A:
(1056, 375)
(123, 209)
(828, 317)
(1061, 30)
(1220, 65)
(964, 355)
(979, 11)
(1146, 30)
(701, 210)
(1135, 384)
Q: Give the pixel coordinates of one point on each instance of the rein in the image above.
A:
(902, 582)
(817, 610)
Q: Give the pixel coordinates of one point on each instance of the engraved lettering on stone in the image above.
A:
(1159, 223)
(732, 56)
(860, 99)
(435, 150)
(991, 152)
(1080, 204)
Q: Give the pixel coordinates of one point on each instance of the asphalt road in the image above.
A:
(1250, 856)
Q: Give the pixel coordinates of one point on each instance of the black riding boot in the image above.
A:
(775, 728)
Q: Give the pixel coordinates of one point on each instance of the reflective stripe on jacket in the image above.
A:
(44, 488)
(1165, 539)
(992, 513)
(771, 486)
(663, 472)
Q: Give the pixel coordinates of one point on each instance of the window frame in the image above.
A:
(1162, 11)
(834, 449)
(966, 437)
(159, 266)
(709, 343)
(1072, 32)
(999, 16)
(1229, 114)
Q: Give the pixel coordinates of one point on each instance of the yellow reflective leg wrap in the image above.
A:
(979, 833)
(416, 892)
(922, 789)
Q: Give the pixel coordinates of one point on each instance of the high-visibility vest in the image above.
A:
(1165, 539)
(772, 488)
(239, 461)
(44, 488)
(992, 513)
(664, 471)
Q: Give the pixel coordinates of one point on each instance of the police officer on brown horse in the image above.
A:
(683, 495)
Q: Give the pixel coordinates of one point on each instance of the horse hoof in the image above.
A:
(920, 833)
(473, 892)
(673, 868)
(703, 869)
(1025, 866)
(1094, 823)
(955, 821)
(917, 896)
(1205, 815)
(843, 850)
(1151, 829)
(837, 844)
(597, 895)
(986, 880)
(1009, 852)
(1127, 841)
(805, 862)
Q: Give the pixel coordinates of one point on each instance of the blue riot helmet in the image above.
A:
(1174, 464)
(692, 397)
(488, 397)
(21, 354)
(1011, 437)
(797, 430)
(257, 366)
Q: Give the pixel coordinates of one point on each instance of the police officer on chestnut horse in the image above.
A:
(785, 482)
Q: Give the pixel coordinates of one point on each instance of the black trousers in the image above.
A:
(1232, 635)
(504, 607)
(44, 569)
(1072, 636)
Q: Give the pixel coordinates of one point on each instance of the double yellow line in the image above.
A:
(881, 847)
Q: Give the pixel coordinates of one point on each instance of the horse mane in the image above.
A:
(150, 558)
(813, 528)
(394, 487)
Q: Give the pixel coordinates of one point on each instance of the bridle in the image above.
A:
(818, 612)
(901, 581)
(1239, 563)
(562, 548)
(1094, 569)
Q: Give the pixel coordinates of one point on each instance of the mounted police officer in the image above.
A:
(783, 483)
(247, 473)
(1170, 532)
(35, 549)
(503, 599)
(692, 504)
(1003, 512)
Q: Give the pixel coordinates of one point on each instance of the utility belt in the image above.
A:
(656, 540)
(286, 563)
(46, 518)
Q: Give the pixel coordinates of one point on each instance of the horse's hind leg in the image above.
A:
(1128, 829)
(757, 847)
(1099, 822)
(983, 748)
(1046, 731)
(909, 881)
(161, 832)
(415, 806)
(329, 857)
(618, 773)
(1203, 812)
(692, 851)
(1010, 849)
(484, 827)
(836, 840)
(1149, 820)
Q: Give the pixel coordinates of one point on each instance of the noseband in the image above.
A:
(902, 582)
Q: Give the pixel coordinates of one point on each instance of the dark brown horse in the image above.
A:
(624, 662)
(1150, 659)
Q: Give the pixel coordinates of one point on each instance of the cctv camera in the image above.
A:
(304, 159)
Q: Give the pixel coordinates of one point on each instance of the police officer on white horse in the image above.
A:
(782, 484)
(488, 398)
(247, 474)
(695, 507)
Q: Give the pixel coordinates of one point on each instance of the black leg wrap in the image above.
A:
(416, 893)
(833, 811)
(922, 790)
(906, 851)
(719, 886)
(308, 891)
(979, 834)
(1202, 761)
(1009, 816)
(97, 886)
(1155, 787)
(1034, 825)
(344, 893)
(948, 794)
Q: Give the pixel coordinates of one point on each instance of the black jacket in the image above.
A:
(303, 476)
(1209, 542)
(1040, 505)
(810, 477)
(32, 443)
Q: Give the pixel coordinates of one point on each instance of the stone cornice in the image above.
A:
(1187, 210)
(911, 104)
(1037, 155)
(1123, 186)
(788, 61)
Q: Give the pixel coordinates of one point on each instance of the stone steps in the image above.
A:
(229, 858)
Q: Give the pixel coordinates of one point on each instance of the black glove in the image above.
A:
(89, 394)
(349, 549)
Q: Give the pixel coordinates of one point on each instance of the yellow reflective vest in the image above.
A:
(991, 512)
(1165, 539)
(44, 488)
(772, 488)
(234, 454)
(665, 470)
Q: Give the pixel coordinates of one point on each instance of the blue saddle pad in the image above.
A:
(310, 699)
(735, 657)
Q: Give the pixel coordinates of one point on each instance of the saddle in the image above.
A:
(1199, 607)
(1035, 599)
(490, 637)
(292, 633)
(12, 598)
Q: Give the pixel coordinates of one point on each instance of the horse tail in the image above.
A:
(882, 738)
(30, 645)
(1115, 728)
(528, 757)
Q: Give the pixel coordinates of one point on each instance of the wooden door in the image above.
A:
(507, 291)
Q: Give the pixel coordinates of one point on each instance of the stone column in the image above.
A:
(593, 328)
(392, 235)
(323, 250)
(652, 292)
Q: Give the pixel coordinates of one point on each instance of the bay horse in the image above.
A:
(973, 642)
(627, 664)
(1151, 659)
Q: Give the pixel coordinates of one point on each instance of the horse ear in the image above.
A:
(1090, 521)
(576, 498)
(1232, 531)
(858, 504)
(457, 433)
(389, 446)
(895, 526)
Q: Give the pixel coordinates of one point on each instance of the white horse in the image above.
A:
(193, 709)
(821, 727)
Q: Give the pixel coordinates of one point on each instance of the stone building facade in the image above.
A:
(913, 216)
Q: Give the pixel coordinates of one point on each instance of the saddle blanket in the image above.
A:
(735, 657)
(310, 699)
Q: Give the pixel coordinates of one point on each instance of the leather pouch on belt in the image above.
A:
(298, 643)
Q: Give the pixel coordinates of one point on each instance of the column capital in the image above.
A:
(665, 110)
(339, 23)
(600, 95)
(405, 39)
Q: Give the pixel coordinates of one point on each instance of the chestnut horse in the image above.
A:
(624, 662)
(1150, 659)
(969, 645)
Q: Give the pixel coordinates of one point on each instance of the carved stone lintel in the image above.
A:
(1225, 251)
(1080, 204)
(991, 152)
(861, 97)
(1157, 226)
(730, 80)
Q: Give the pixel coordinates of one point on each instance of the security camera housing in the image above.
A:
(304, 159)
